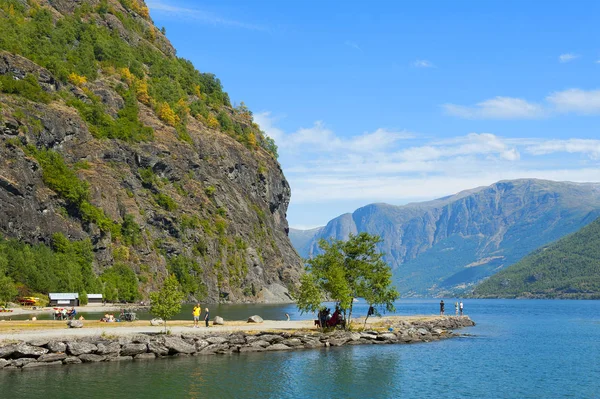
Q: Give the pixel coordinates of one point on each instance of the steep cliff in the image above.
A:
(107, 136)
(447, 245)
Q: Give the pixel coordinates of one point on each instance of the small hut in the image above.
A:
(94, 299)
(64, 299)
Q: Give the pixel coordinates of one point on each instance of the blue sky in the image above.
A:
(401, 101)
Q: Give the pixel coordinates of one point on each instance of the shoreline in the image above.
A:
(33, 348)
(80, 309)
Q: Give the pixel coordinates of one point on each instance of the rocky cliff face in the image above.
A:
(446, 245)
(195, 189)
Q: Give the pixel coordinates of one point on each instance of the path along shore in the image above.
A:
(27, 345)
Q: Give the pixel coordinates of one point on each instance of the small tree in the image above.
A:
(8, 291)
(166, 303)
(345, 271)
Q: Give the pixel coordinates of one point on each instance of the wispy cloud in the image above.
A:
(353, 45)
(422, 64)
(497, 108)
(575, 101)
(398, 166)
(202, 16)
(567, 57)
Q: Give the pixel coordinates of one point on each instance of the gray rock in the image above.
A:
(292, 342)
(278, 347)
(201, 344)
(124, 339)
(72, 360)
(255, 319)
(133, 349)
(368, 336)
(422, 331)
(26, 350)
(215, 348)
(218, 321)
(157, 322)
(7, 351)
(216, 340)
(338, 341)
(178, 345)
(260, 344)
(119, 358)
(39, 342)
(23, 361)
(52, 357)
(313, 344)
(91, 358)
(112, 348)
(438, 331)
(354, 336)
(79, 348)
(42, 364)
(75, 323)
(387, 337)
(271, 338)
(236, 339)
(140, 339)
(158, 348)
(4, 363)
(57, 346)
(145, 356)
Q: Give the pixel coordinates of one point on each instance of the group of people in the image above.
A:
(64, 314)
(458, 307)
(108, 318)
(196, 313)
(327, 319)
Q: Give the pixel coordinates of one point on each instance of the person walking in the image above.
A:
(442, 307)
(196, 313)
(456, 308)
(206, 317)
(461, 308)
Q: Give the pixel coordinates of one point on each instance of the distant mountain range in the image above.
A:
(568, 268)
(449, 244)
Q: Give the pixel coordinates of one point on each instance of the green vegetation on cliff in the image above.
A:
(568, 268)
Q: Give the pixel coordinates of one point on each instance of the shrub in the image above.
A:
(167, 115)
(77, 80)
(165, 202)
(28, 88)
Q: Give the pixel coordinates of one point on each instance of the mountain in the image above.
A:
(120, 163)
(448, 244)
(302, 239)
(568, 268)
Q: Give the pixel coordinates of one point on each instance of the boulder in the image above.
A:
(57, 346)
(159, 349)
(112, 348)
(145, 356)
(42, 364)
(354, 336)
(215, 348)
(260, 344)
(39, 342)
(140, 339)
(22, 362)
(52, 357)
(338, 341)
(75, 323)
(7, 351)
(292, 342)
(71, 360)
(91, 358)
(178, 345)
(134, 349)
(80, 348)
(237, 339)
(216, 340)
(271, 338)
(313, 343)
(255, 319)
(278, 347)
(218, 321)
(26, 350)
(422, 331)
(157, 322)
(368, 336)
(4, 363)
(387, 337)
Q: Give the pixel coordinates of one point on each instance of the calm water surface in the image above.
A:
(519, 349)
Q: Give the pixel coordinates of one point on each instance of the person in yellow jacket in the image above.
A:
(196, 313)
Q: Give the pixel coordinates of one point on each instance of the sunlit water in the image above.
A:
(519, 349)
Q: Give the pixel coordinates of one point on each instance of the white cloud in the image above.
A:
(205, 17)
(588, 147)
(567, 57)
(422, 64)
(353, 45)
(576, 100)
(497, 108)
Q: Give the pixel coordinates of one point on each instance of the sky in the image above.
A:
(404, 101)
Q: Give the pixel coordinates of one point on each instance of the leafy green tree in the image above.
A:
(347, 270)
(166, 303)
(8, 291)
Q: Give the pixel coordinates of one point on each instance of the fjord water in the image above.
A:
(519, 349)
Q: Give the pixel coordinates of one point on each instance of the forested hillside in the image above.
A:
(568, 268)
(121, 162)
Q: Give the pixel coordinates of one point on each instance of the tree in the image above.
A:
(8, 291)
(347, 270)
(166, 303)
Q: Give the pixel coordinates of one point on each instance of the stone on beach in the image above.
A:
(255, 319)
(218, 321)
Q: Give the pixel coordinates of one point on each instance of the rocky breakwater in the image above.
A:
(44, 352)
